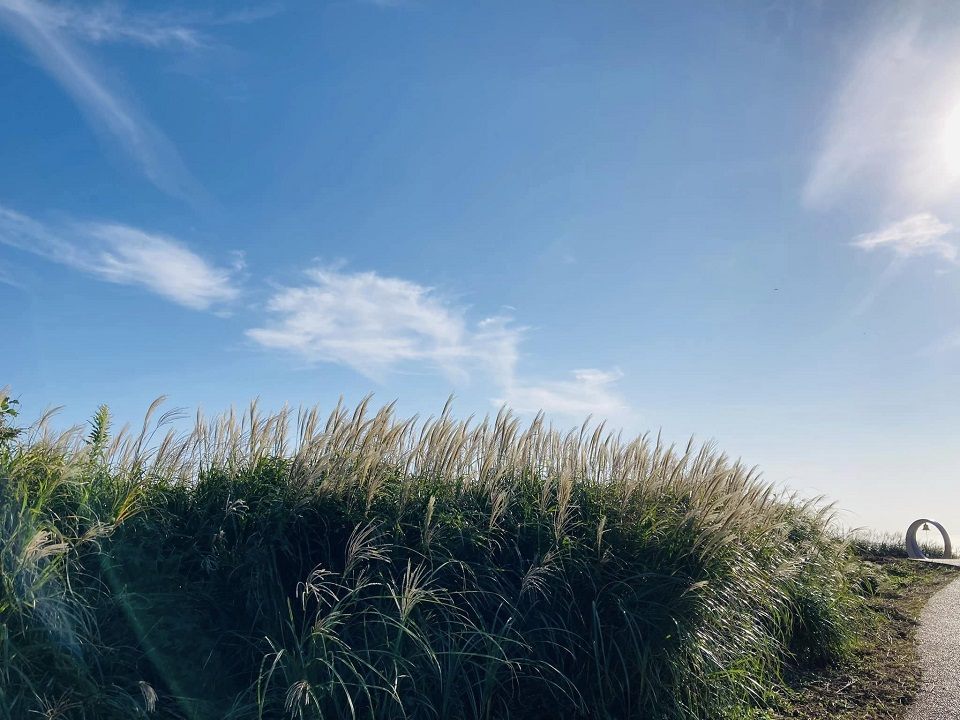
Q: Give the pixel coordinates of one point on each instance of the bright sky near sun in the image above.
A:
(730, 220)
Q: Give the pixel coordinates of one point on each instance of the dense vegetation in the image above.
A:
(282, 566)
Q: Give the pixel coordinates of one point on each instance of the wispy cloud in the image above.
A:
(8, 277)
(369, 322)
(108, 23)
(55, 34)
(45, 29)
(894, 125)
(914, 236)
(587, 392)
(376, 324)
(127, 256)
(111, 22)
(947, 343)
(920, 234)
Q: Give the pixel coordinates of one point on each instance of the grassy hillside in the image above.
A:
(365, 566)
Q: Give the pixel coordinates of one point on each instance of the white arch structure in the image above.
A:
(913, 546)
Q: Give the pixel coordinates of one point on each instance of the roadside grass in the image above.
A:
(882, 675)
(289, 566)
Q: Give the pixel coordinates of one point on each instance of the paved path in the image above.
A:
(939, 638)
(939, 561)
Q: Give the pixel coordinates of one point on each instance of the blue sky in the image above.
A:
(729, 220)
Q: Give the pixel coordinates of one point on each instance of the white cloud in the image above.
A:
(588, 392)
(920, 234)
(366, 321)
(127, 256)
(376, 324)
(894, 125)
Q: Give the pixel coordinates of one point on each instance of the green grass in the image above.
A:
(370, 567)
(883, 675)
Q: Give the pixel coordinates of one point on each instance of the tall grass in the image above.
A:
(274, 566)
(873, 544)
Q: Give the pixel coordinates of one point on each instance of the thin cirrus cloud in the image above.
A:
(920, 234)
(54, 34)
(894, 125)
(46, 32)
(126, 256)
(376, 324)
(112, 23)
